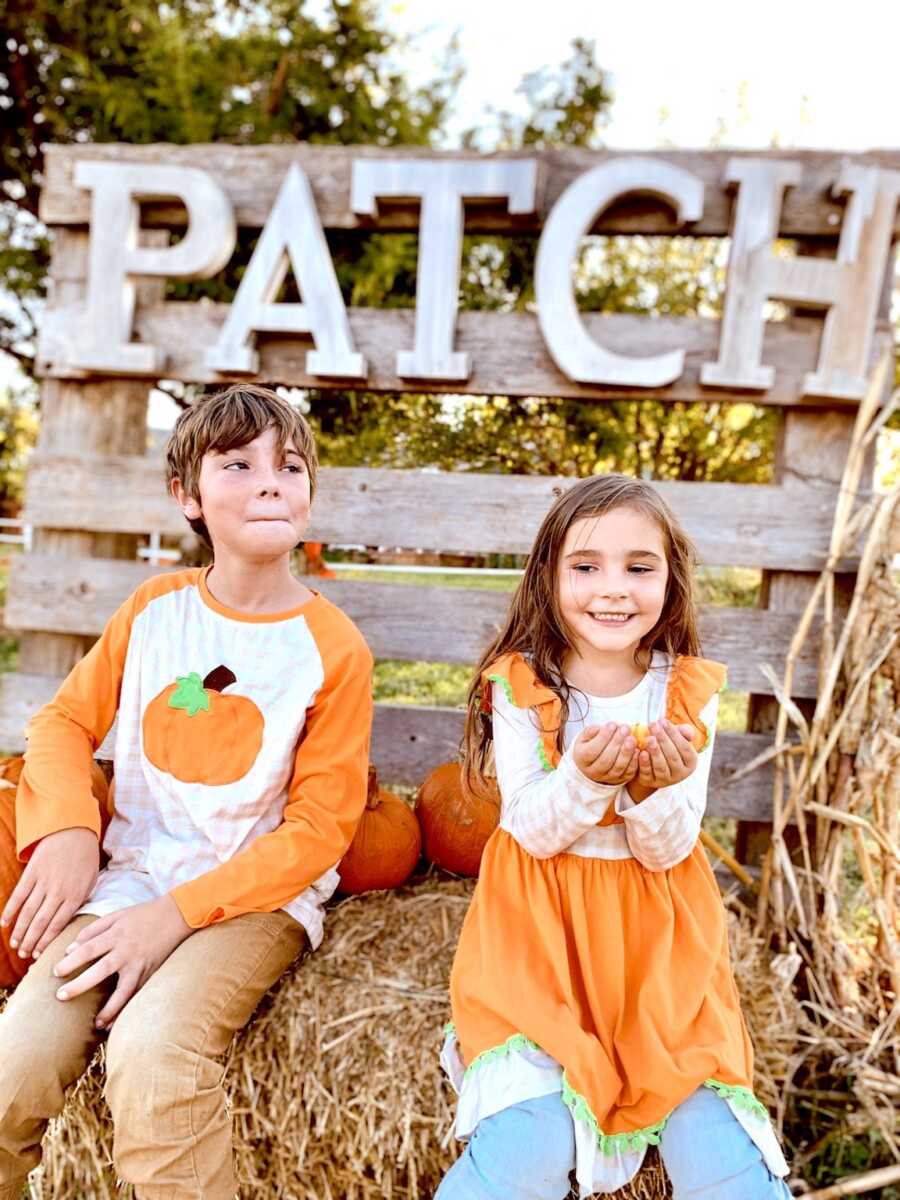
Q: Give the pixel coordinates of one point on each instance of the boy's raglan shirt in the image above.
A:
(241, 753)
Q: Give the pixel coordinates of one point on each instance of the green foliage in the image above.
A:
(443, 684)
(188, 71)
(566, 107)
(18, 434)
(204, 71)
(840, 1155)
(545, 436)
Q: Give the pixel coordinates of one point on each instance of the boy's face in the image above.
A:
(254, 499)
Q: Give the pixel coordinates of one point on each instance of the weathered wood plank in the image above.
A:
(251, 176)
(409, 741)
(436, 624)
(93, 418)
(732, 524)
(506, 352)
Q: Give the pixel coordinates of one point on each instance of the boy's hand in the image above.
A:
(668, 757)
(606, 753)
(132, 944)
(59, 877)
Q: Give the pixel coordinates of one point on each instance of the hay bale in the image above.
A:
(335, 1086)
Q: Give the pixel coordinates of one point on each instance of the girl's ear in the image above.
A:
(188, 505)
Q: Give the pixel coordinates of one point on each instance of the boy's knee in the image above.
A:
(152, 1067)
(148, 1088)
(44, 1046)
(142, 1058)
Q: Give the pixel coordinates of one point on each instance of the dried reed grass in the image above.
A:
(833, 910)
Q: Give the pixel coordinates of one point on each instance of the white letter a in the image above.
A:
(292, 237)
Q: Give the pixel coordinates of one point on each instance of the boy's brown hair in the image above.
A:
(226, 420)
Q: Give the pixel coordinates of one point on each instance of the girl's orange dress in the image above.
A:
(596, 976)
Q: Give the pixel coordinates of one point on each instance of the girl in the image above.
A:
(594, 1010)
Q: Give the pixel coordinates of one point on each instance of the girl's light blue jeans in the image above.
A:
(526, 1152)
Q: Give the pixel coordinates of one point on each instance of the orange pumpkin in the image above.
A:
(640, 733)
(12, 968)
(456, 822)
(194, 732)
(386, 845)
(315, 563)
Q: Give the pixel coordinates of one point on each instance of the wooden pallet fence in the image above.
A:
(91, 488)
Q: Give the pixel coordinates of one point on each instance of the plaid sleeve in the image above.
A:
(663, 829)
(545, 811)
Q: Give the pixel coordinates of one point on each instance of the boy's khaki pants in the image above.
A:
(172, 1133)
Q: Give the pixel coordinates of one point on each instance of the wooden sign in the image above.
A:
(103, 330)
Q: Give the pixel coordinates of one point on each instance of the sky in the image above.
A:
(819, 75)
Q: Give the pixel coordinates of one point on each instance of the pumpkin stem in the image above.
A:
(372, 794)
(219, 679)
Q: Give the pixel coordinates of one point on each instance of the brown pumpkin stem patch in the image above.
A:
(219, 679)
(372, 799)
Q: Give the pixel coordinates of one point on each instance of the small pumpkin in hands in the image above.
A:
(456, 822)
(13, 968)
(386, 845)
(640, 733)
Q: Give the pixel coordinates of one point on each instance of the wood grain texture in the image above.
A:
(409, 741)
(506, 352)
(747, 525)
(96, 417)
(399, 621)
(251, 175)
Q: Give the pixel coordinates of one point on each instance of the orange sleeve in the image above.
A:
(327, 794)
(54, 791)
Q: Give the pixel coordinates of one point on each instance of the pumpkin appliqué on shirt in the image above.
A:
(196, 733)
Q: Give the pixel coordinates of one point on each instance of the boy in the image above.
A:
(244, 715)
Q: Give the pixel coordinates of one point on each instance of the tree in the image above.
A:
(186, 71)
(233, 70)
(18, 431)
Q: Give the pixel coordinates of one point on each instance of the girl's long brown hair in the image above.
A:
(535, 626)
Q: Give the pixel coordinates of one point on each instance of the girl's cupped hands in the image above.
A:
(610, 754)
(606, 753)
(130, 944)
(668, 757)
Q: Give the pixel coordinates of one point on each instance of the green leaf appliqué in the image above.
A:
(190, 694)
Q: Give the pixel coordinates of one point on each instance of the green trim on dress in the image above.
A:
(740, 1097)
(518, 1041)
(506, 685)
(611, 1143)
(542, 755)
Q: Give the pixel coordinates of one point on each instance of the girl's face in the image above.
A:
(611, 578)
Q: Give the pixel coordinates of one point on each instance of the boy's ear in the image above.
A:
(189, 506)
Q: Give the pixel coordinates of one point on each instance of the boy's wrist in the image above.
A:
(174, 918)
